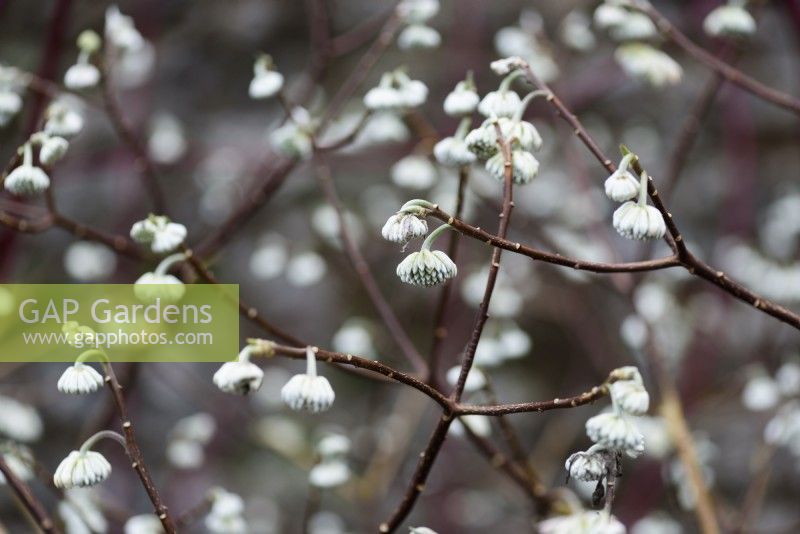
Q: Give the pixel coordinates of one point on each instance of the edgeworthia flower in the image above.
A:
(266, 81)
(159, 284)
(643, 62)
(294, 138)
(53, 148)
(10, 105)
(582, 522)
(414, 172)
(622, 185)
(418, 36)
(396, 91)
(308, 391)
(80, 379)
(637, 219)
(227, 513)
(27, 179)
(729, 21)
(83, 74)
(159, 232)
(427, 267)
(453, 151)
(589, 466)
(524, 166)
(403, 227)
(615, 431)
(463, 100)
(240, 376)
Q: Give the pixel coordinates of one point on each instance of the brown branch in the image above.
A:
(28, 500)
(588, 397)
(362, 269)
(132, 447)
(440, 316)
(731, 73)
(686, 259)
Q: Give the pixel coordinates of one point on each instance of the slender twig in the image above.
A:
(28, 500)
(442, 308)
(135, 454)
(731, 73)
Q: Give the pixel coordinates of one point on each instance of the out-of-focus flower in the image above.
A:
(62, 119)
(19, 421)
(588, 522)
(266, 81)
(306, 269)
(227, 513)
(643, 62)
(80, 379)
(159, 232)
(463, 100)
(576, 32)
(730, 20)
(294, 138)
(414, 172)
(143, 524)
(167, 141)
(418, 11)
(761, 392)
(396, 91)
(416, 36)
(87, 261)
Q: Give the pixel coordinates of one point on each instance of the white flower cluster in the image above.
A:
(633, 219)
(332, 469)
(638, 59)
(188, 438)
(426, 268)
(19, 421)
(84, 74)
(526, 40)
(730, 20)
(396, 92)
(613, 432)
(295, 138)
(134, 56)
(417, 34)
(10, 101)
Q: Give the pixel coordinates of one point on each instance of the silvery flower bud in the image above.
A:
(453, 152)
(483, 141)
(525, 166)
(587, 466)
(52, 150)
(418, 36)
(403, 227)
(635, 221)
(499, 104)
(463, 100)
(729, 21)
(426, 268)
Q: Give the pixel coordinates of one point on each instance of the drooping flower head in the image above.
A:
(308, 391)
(266, 81)
(159, 232)
(396, 91)
(240, 376)
(27, 179)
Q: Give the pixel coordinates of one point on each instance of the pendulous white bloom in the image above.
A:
(525, 166)
(226, 515)
(643, 62)
(81, 469)
(308, 391)
(636, 221)
(463, 100)
(453, 152)
(52, 149)
(482, 141)
(630, 396)
(586, 522)
(19, 460)
(609, 15)
(505, 66)
(121, 32)
(27, 180)
(414, 172)
(426, 268)
(159, 232)
(294, 138)
(636, 26)
(729, 21)
(418, 36)
(396, 91)
(143, 524)
(403, 227)
(788, 378)
(153, 286)
(588, 466)
(88, 261)
(266, 81)
(167, 140)
(500, 103)
(10, 104)
(19, 421)
(521, 134)
(622, 185)
(80, 379)
(576, 32)
(760, 393)
(329, 473)
(82, 75)
(62, 119)
(240, 376)
(418, 11)
(612, 430)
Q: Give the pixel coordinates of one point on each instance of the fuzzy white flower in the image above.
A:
(294, 138)
(80, 379)
(482, 141)
(630, 397)
(154, 286)
(637, 221)
(612, 430)
(226, 515)
(19, 421)
(504, 66)
(609, 15)
(121, 32)
(308, 391)
(52, 149)
(266, 82)
(329, 473)
(159, 232)
(521, 134)
(306, 269)
(788, 378)
(143, 524)
(636, 26)
(501, 103)
(576, 32)
(27, 180)
(622, 185)
(463, 100)
(414, 172)
(82, 75)
(10, 104)
(62, 119)
(588, 522)
(240, 376)
(396, 91)
(167, 140)
(88, 261)
(81, 469)
(588, 466)
(643, 62)
(760, 393)
(418, 11)
(403, 227)
(418, 36)
(426, 268)
(453, 152)
(729, 21)
(525, 166)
